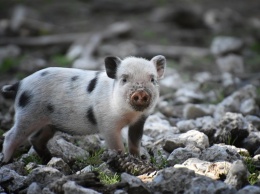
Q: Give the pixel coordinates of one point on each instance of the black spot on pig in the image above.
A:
(74, 78)
(91, 117)
(44, 73)
(10, 91)
(92, 84)
(50, 108)
(24, 99)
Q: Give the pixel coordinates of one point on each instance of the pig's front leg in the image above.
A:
(113, 138)
(135, 134)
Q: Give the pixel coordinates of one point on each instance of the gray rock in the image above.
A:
(233, 102)
(180, 155)
(34, 188)
(60, 165)
(231, 63)
(120, 192)
(223, 20)
(232, 129)
(193, 111)
(189, 94)
(255, 120)
(237, 175)
(135, 184)
(207, 185)
(9, 51)
(71, 187)
(8, 175)
(158, 128)
(220, 152)
(172, 180)
(252, 142)
(43, 176)
(172, 144)
(47, 190)
(249, 189)
(186, 125)
(196, 138)
(61, 148)
(222, 45)
(213, 170)
(30, 64)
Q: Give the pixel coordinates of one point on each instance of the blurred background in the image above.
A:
(212, 47)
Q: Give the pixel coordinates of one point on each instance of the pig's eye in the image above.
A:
(124, 80)
(153, 80)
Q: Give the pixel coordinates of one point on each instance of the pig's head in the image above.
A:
(136, 81)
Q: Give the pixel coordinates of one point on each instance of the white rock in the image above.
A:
(231, 63)
(237, 175)
(34, 188)
(212, 170)
(225, 44)
(60, 165)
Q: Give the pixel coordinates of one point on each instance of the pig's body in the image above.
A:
(84, 102)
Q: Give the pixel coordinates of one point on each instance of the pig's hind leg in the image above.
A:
(22, 129)
(39, 141)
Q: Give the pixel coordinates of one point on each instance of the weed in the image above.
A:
(32, 158)
(108, 178)
(161, 162)
(9, 64)
(93, 159)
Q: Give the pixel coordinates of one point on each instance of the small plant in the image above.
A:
(161, 162)
(108, 178)
(93, 159)
(254, 173)
(32, 158)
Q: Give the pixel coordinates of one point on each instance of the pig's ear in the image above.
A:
(160, 63)
(111, 64)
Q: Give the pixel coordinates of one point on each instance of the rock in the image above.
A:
(9, 51)
(213, 170)
(61, 148)
(172, 180)
(43, 176)
(157, 128)
(249, 189)
(71, 187)
(60, 165)
(223, 20)
(16, 181)
(86, 63)
(231, 63)
(202, 77)
(252, 142)
(229, 81)
(193, 111)
(220, 152)
(207, 185)
(172, 144)
(237, 175)
(135, 184)
(255, 120)
(172, 81)
(34, 188)
(189, 94)
(180, 155)
(233, 102)
(223, 45)
(205, 125)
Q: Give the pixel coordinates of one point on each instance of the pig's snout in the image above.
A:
(140, 99)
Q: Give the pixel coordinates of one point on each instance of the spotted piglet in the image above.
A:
(83, 102)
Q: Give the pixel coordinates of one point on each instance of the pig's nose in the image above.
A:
(140, 98)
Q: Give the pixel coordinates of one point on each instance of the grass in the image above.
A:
(108, 178)
(161, 162)
(254, 173)
(8, 64)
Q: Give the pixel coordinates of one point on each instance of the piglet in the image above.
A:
(81, 102)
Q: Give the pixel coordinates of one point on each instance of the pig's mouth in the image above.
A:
(140, 99)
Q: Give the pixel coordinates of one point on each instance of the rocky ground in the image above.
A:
(204, 136)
